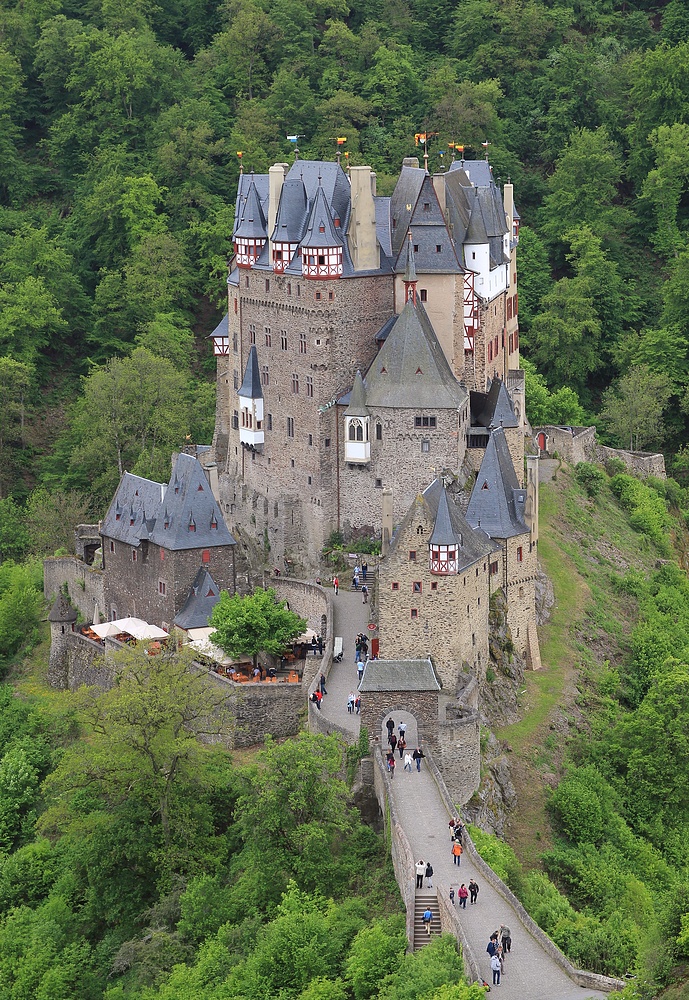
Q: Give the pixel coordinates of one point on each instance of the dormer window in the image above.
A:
(337, 221)
(321, 228)
(192, 525)
(214, 523)
(443, 559)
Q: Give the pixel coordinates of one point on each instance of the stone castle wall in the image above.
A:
(85, 584)
(451, 624)
(579, 444)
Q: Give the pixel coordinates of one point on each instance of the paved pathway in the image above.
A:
(530, 974)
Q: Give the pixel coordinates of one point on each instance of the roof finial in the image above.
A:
(241, 165)
(485, 146)
(410, 274)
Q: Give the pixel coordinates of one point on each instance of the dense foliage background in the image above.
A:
(119, 129)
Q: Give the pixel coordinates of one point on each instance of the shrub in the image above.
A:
(591, 477)
(647, 511)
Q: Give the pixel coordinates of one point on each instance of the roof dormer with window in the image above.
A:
(321, 247)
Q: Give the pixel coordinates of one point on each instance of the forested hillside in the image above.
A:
(120, 126)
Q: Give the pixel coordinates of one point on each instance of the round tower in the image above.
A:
(62, 618)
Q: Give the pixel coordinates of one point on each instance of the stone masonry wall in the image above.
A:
(452, 611)
(520, 590)
(458, 756)
(85, 585)
(578, 444)
(423, 705)
(398, 462)
(258, 708)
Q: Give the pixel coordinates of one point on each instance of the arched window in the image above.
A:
(352, 432)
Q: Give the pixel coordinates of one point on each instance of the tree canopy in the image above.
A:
(255, 623)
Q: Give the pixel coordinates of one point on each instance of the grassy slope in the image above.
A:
(583, 546)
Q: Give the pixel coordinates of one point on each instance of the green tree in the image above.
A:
(144, 741)
(535, 279)
(14, 535)
(666, 184)
(376, 951)
(564, 339)
(51, 517)
(546, 407)
(633, 409)
(255, 623)
(15, 381)
(134, 411)
(584, 188)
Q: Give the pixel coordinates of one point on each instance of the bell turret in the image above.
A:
(251, 405)
(357, 425)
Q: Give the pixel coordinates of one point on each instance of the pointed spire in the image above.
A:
(357, 399)
(251, 384)
(410, 278)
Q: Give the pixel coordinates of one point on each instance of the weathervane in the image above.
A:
(295, 139)
(485, 146)
(340, 140)
(456, 147)
(424, 137)
(241, 164)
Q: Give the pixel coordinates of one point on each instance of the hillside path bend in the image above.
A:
(530, 973)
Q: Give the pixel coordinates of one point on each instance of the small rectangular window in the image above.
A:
(252, 333)
(269, 421)
(431, 421)
(309, 386)
(379, 432)
(161, 587)
(267, 284)
(415, 612)
(283, 339)
(235, 420)
(295, 382)
(302, 343)
(310, 439)
(417, 421)
(416, 248)
(290, 427)
(395, 586)
(309, 480)
(265, 379)
(438, 248)
(425, 446)
(416, 587)
(493, 568)
(379, 484)
(434, 585)
(112, 546)
(133, 555)
(412, 555)
(331, 296)
(318, 294)
(327, 442)
(520, 554)
(424, 294)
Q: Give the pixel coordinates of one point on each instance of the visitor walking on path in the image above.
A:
(418, 756)
(506, 938)
(420, 872)
(457, 853)
(390, 725)
(427, 921)
(402, 730)
(495, 966)
(408, 762)
(364, 593)
(463, 894)
(350, 702)
(360, 670)
(429, 875)
(473, 890)
(322, 684)
(391, 766)
(364, 570)
(336, 586)
(401, 746)
(452, 895)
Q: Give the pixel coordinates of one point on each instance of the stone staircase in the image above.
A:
(425, 901)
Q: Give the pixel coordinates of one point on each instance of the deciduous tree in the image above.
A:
(255, 623)
(633, 409)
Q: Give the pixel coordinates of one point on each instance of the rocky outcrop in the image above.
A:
(545, 597)
(489, 807)
(505, 672)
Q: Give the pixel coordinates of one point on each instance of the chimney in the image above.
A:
(439, 188)
(508, 202)
(276, 178)
(362, 238)
(211, 473)
(387, 522)
(411, 161)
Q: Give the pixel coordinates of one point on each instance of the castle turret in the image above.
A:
(62, 618)
(251, 405)
(357, 425)
(251, 234)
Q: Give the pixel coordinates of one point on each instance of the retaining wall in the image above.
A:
(85, 585)
(579, 444)
(589, 980)
(400, 848)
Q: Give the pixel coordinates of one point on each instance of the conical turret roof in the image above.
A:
(251, 385)
(253, 223)
(357, 400)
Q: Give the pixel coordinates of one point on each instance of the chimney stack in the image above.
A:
(276, 178)
(363, 241)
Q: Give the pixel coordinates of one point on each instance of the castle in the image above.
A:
(371, 348)
(417, 292)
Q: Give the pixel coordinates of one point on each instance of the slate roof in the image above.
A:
(145, 510)
(252, 224)
(403, 202)
(189, 501)
(201, 600)
(357, 399)
(385, 329)
(133, 509)
(411, 369)
(475, 208)
(383, 230)
(493, 408)
(251, 383)
(399, 675)
(222, 329)
(321, 231)
(497, 501)
(450, 523)
(292, 215)
(62, 611)
(409, 265)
